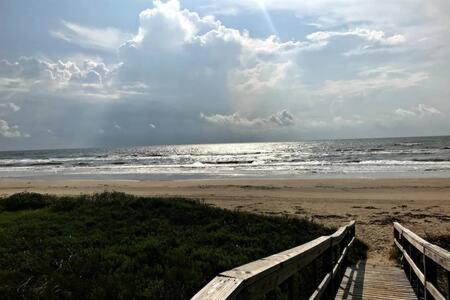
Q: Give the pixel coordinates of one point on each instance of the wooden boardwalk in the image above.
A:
(319, 270)
(369, 281)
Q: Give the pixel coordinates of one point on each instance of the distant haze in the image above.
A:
(109, 73)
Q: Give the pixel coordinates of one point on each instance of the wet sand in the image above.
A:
(423, 205)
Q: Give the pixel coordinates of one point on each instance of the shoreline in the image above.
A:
(243, 178)
(421, 204)
(150, 187)
(50, 176)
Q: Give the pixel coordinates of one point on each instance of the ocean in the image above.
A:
(365, 158)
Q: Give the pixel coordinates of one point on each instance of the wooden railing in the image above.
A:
(310, 271)
(427, 266)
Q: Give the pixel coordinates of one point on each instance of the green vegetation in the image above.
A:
(117, 246)
(357, 252)
(442, 241)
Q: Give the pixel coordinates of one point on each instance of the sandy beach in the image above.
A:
(423, 205)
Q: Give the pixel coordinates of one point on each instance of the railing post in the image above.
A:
(327, 263)
(424, 264)
(285, 269)
(430, 274)
(409, 266)
(425, 276)
(293, 287)
(331, 268)
(448, 285)
(413, 256)
(316, 279)
(348, 238)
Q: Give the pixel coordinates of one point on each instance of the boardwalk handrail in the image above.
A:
(422, 262)
(259, 277)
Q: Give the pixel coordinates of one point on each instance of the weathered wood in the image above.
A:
(411, 263)
(257, 278)
(341, 259)
(448, 285)
(431, 254)
(293, 282)
(266, 274)
(318, 293)
(367, 281)
(298, 256)
(430, 272)
(220, 288)
(436, 253)
(429, 286)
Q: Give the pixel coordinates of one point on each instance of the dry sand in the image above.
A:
(423, 205)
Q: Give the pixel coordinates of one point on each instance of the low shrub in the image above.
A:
(116, 246)
(358, 251)
(442, 240)
(23, 201)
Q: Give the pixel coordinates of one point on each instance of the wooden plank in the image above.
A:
(413, 266)
(219, 288)
(364, 281)
(429, 286)
(413, 238)
(261, 276)
(297, 257)
(341, 233)
(439, 255)
(264, 275)
(434, 291)
(435, 253)
(341, 259)
(324, 284)
(322, 287)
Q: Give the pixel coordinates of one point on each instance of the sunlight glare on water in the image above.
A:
(333, 158)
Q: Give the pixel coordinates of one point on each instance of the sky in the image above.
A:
(137, 72)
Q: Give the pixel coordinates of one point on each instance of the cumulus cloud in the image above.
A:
(10, 131)
(375, 40)
(399, 17)
(197, 62)
(183, 46)
(88, 79)
(180, 62)
(34, 69)
(90, 37)
(419, 111)
(166, 27)
(282, 118)
(376, 36)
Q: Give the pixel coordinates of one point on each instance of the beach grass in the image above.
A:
(442, 240)
(117, 246)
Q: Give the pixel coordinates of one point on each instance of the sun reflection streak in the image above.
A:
(262, 7)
